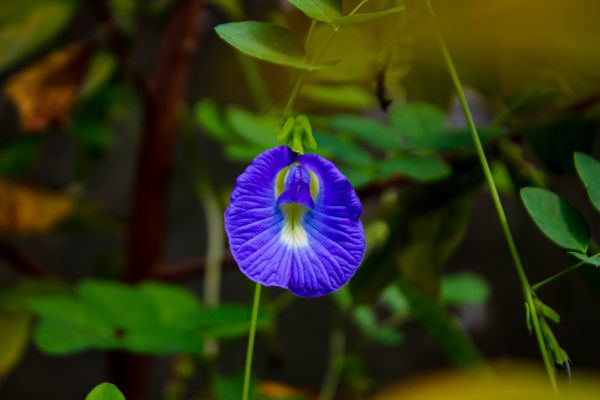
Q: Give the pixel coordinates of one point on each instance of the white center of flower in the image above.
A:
(293, 233)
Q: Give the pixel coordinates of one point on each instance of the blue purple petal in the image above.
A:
(297, 227)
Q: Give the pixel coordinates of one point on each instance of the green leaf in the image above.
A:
(260, 130)
(369, 130)
(25, 25)
(359, 175)
(366, 320)
(594, 260)
(465, 289)
(353, 19)
(419, 168)
(172, 303)
(227, 321)
(343, 150)
(267, 42)
(393, 297)
(452, 139)
(320, 10)
(557, 353)
(152, 318)
(68, 326)
(588, 170)
(342, 96)
(106, 299)
(546, 311)
(413, 120)
(558, 220)
(105, 391)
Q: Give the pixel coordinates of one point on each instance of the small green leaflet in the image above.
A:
(465, 288)
(588, 170)
(418, 168)
(105, 391)
(417, 119)
(558, 220)
(159, 319)
(353, 19)
(320, 10)
(268, 42)
(593, 260)
(369, 130)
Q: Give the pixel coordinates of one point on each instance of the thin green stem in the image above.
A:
(355, 9)
(337, 344)
(296, 87)
(560, 274)
(557, 276)
(251, 336)
(527, 292)
(209, 202)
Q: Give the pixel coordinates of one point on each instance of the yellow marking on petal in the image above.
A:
(280, 180)
(315, 186)
(293, 233)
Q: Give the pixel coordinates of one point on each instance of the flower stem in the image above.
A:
(527, 291)
(251, 335)
(337, 357)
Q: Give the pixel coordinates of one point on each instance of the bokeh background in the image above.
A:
(532, 71)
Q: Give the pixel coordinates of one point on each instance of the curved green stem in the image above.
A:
(251, 336)
(527, 291)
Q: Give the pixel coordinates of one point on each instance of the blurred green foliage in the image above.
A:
(374, 97)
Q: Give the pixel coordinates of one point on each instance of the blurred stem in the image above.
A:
(527, 291)
(559, 274)
(257, 85)
(299, 79)
(251, 336)
(214, 228)
(355, 9)
(337, 345)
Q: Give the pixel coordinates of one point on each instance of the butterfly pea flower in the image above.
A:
(294, 222)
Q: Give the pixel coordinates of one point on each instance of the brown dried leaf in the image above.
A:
(45, 92)
(24, 209)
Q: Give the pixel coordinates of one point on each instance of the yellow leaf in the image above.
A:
(14, 334)
(276, 390)
(509, 381)
(45, 92)
(25, 209)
